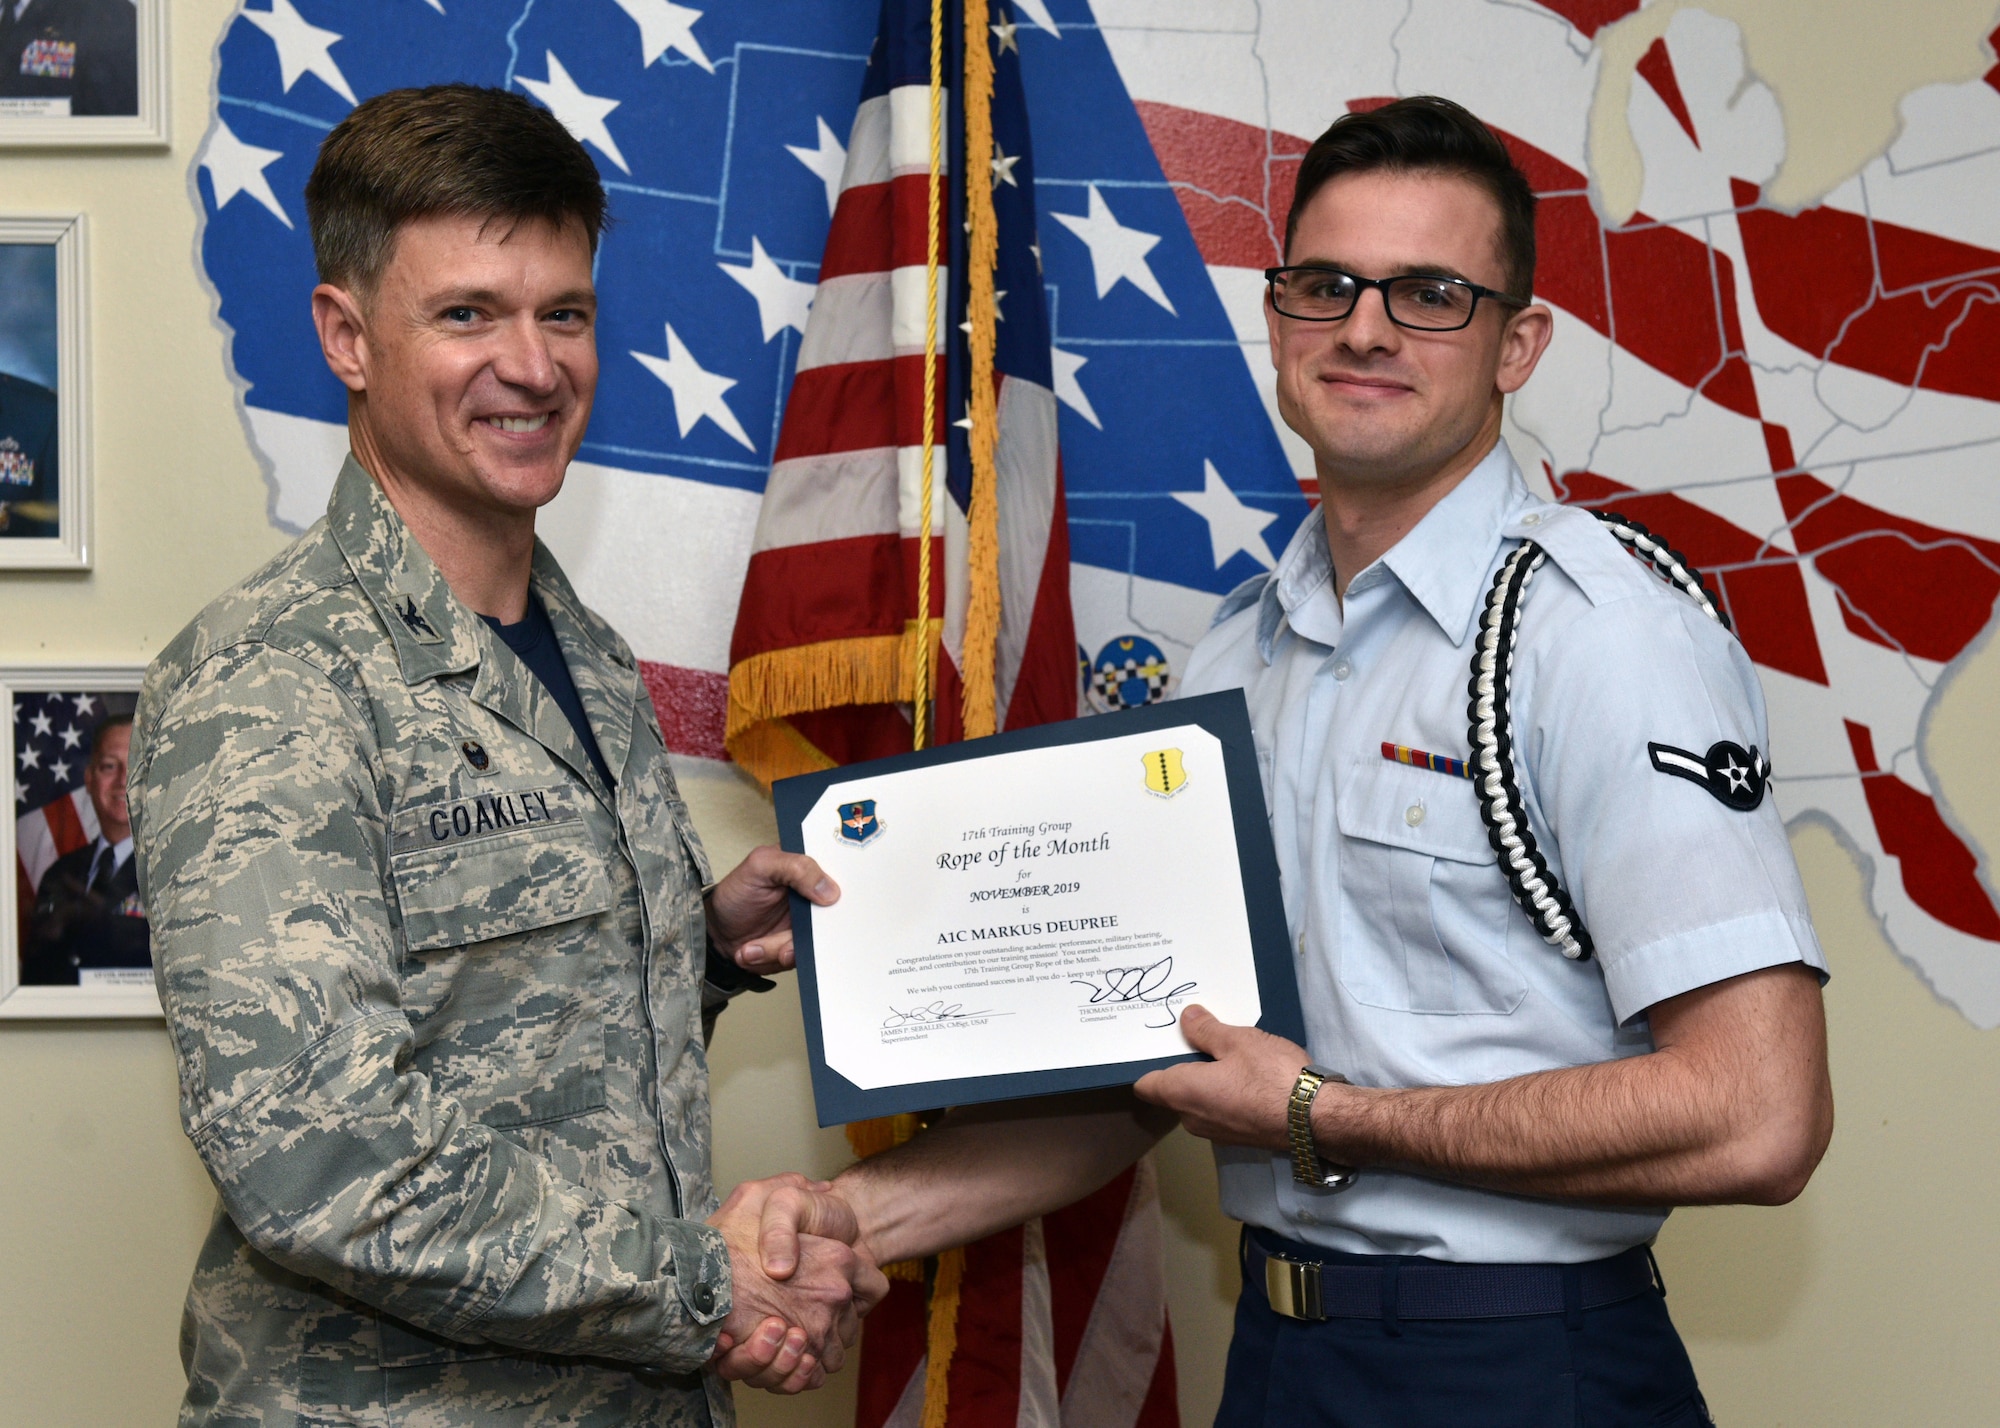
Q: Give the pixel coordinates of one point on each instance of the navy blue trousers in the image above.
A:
(1617, 1366)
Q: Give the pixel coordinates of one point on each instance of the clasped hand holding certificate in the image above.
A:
(804, 1270)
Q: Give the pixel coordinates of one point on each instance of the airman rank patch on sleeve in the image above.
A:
(1734, 774)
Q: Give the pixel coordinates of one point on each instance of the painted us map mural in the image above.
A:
(1807, 403)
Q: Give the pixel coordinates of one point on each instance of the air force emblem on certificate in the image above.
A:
(858, 823)
(1164, 774)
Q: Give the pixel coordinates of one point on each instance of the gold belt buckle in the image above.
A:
(1293, 1288)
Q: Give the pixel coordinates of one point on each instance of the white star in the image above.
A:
(302, 48)
(1003, 166)
(1232, 526)
(43, 724)
(437, 5)
(1005, 31)
(1036, 249)
(1115, 250)
(1738, 776)
(1069, 391)
(697, 393)
(828, 160)
(84, 703)
(236, 167)
(1038, 11)
(30, 758)
(582, 114)
(72, 737)
(781, 301)
(665, 26)
(59, 771)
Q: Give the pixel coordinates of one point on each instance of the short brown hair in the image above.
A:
(1426, 134)
(103, 731)
(449, 150)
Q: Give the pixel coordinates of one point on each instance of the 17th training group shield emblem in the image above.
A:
(1164, 774)
(858, 823)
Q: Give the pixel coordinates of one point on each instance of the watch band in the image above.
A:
(1307, 1166)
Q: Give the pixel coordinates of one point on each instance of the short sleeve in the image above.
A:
(1678, 887)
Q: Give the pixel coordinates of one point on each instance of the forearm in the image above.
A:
(1724, 1117)
(992, 1167)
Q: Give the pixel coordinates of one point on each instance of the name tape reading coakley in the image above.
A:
(465, 820)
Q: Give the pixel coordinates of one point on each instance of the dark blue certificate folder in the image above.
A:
(1223, 715)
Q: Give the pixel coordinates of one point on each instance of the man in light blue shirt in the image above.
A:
(1518, 1120)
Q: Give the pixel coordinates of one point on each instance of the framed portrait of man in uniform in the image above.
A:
(45, 509)
(74, 940)
(80, 73)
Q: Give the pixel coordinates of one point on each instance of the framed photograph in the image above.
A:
(73, 935)
(83, 73)
(44, 393)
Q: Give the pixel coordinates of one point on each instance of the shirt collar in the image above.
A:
(1444, 561)
(1301, 572)
(433, 633)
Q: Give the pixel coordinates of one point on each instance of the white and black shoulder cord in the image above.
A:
(1535, 888)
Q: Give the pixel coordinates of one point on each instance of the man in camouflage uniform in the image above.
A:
(431, 946)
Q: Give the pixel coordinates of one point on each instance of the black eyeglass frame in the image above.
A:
(1361, 285)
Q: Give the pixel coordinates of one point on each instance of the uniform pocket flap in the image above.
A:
(1415, 808)
(472, 869)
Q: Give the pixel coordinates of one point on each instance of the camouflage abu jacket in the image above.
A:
(435, 995)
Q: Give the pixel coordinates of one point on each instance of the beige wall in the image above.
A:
(1874, 1299)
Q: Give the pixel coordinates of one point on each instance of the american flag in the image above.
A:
(821, 666)
(52, 813)
(818, 662)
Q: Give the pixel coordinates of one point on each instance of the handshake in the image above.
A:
(802, 1283)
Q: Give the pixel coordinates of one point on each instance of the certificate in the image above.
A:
(1029, 913)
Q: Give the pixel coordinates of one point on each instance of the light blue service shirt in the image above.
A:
(1415, 966)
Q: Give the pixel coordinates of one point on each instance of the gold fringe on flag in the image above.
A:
(943, 1338)
(982, 613)
(765, 689)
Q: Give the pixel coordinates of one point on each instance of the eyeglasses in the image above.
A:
(1425, 303)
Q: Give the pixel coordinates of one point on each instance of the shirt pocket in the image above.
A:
(1424, 909)
(502, 971)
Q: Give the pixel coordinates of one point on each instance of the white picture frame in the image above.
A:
(70, 548)
(134, 998)
(146, 128)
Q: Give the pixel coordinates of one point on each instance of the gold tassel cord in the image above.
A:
(920, 681)
(982, 614)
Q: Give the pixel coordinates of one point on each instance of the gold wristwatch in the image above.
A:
(1307, 1167)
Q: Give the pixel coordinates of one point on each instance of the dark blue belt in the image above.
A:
(1302, 1281)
